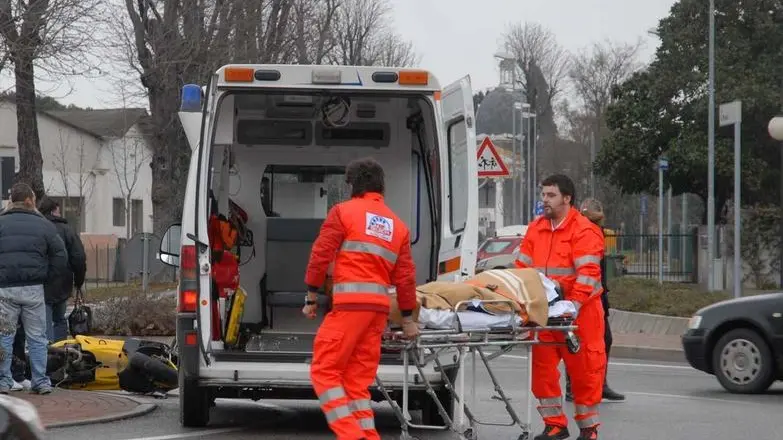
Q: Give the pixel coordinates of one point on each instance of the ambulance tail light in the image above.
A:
(188, 283)
(238, 74)
(414, 78)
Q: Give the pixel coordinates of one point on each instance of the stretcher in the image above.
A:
(469, 337)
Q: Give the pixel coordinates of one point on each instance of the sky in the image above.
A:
(459, 37)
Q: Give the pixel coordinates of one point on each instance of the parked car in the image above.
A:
(503, 245)
(739, 341)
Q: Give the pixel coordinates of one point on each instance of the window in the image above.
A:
(294, 191)
(7, 168)
(118, 211)
(137, 216)
(458, 175)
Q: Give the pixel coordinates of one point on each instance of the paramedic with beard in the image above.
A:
(371, 250)
(567, 247)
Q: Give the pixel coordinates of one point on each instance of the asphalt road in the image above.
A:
(664, 401)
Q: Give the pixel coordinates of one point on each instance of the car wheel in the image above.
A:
(743, 362)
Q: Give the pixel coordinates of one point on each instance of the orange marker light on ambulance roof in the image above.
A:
(238, 74)
(414, 78)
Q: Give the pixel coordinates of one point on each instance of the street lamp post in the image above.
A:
(776, 131)
(711, 156)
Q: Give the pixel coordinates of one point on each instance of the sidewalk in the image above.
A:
(72, 408)
(663, 348)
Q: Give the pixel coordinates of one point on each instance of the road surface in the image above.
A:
(664, 401)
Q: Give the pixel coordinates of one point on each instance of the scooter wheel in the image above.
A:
(157, 370)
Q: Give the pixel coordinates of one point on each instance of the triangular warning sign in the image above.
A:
(489, 162)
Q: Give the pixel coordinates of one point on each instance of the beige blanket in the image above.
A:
(522, 286)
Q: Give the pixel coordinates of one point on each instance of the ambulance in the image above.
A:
(269, 148)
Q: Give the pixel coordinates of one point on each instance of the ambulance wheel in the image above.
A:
(194, 404)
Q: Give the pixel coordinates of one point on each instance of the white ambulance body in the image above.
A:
(284, 133)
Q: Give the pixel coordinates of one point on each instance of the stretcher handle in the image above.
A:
(477, 302)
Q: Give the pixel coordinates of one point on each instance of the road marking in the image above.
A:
(624, 364)
(192, 434)
(697, 398)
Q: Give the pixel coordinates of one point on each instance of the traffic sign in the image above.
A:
(644, 205)
(539, 208)
(489, 162)
(663, 163)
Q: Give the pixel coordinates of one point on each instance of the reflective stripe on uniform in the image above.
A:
(557, 271)
(527, 260)
(331, 394)
(550, 407)
(360, 288)
(337, 413)
(360, 405)
(370, 248)
(588, 422)
(586, 259)
(584, 409)
(591, 413)
(367, 423)
(590, 281)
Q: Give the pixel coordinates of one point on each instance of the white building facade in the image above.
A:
(96, 163)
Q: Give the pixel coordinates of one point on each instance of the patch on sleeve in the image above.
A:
(379, 226)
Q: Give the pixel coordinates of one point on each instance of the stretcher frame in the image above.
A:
(429, 344)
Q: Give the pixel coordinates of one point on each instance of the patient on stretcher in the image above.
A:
(530, 299)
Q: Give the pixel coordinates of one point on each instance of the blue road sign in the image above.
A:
(663, 164)
(539, 210)
(644, 205)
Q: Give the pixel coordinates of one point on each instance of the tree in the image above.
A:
(73, 165)
(171, 43)
(128, 155)
(663, 110)
(51, 36)
(535, 47)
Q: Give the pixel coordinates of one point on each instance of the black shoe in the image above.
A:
(610, 394)
(553, 433)
(588, 434)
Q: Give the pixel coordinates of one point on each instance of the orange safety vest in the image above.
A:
(570, 255)
(372, 247)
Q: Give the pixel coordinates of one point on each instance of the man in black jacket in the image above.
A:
(31, 252)
(59, 289)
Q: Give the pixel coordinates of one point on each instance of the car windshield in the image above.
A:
(496, 246)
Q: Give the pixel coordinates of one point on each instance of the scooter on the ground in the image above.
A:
(101, 364)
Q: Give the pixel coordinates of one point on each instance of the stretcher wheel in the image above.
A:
(470, 434)
(524, 436)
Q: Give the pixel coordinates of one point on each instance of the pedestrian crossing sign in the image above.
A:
(490, 163)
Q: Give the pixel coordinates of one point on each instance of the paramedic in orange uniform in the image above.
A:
(567, 247)
(371, 250)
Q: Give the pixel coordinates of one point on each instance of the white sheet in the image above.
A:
(435, 319)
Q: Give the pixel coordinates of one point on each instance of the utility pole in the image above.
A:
(711, 157)
(592, 160)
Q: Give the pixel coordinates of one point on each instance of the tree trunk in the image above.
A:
(30, 160)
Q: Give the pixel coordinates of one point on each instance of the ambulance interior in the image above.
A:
(281, 159)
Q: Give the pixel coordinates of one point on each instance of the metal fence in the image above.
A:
(126, 261)
(638, 256)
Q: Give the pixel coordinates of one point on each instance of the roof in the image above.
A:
(102, 122)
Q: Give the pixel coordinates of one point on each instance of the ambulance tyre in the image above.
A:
(194, 404)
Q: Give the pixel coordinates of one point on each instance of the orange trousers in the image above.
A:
(346, 354)
(586, 369)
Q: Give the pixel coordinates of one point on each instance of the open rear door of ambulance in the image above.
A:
(459, 236)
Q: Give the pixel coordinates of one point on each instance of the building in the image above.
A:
(92, 160)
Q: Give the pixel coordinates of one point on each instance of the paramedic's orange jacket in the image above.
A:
(570, 255)
(371, 250)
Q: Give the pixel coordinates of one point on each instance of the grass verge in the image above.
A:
(99, 294)
(671, 299)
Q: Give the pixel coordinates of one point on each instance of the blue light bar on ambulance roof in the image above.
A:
(191, 98)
